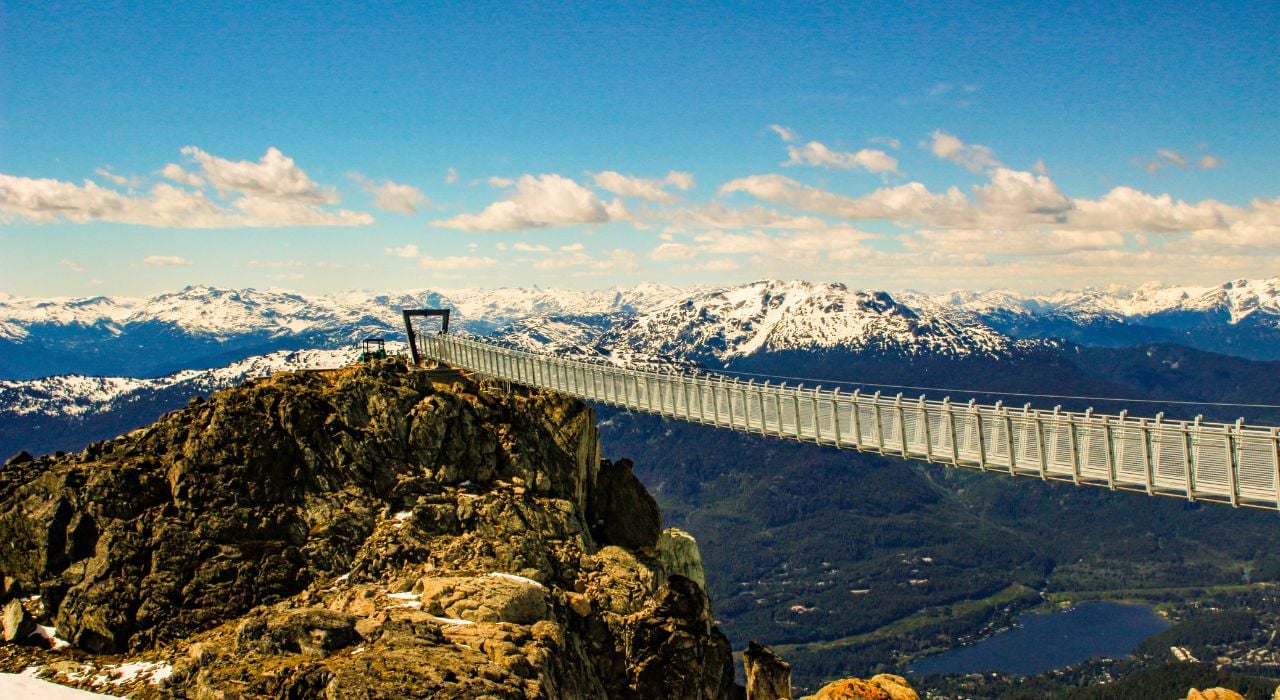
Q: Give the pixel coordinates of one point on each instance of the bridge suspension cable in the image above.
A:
(989, 392)
(1231, 463)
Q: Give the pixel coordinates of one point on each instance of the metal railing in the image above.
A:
(1229, 463)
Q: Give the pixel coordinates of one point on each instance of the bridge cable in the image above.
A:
(1003, 393)
(944, 390)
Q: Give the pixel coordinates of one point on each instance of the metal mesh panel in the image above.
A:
(1231, 463)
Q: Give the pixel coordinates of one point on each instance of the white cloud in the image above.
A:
(717, 265)
(178, 174)
(275, 264)
(1016, 243)
(408, 250)
(674, 251)
(118, 180)
(814, 247)
(455, 262)
(451, 176)
(495, 181)
(972, 157)
(529, 247)
(617, 260)
(272, 193)
(341, 266)
(814, 153)
(275, 176)
(392, 196)
(71, 265)
(165, 260)
(784, 133)
(1021, 196)
(288, 276)
(1209, 161)
(1010, 200)
(571, 247)
(268, 211)
(539, 202)
(912, 202)
(717, 215)
(1169, 158)
(1127, 209)
(888, 141)
(652, 189)
(1257, 228)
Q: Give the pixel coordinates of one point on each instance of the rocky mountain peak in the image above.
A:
(359, 532)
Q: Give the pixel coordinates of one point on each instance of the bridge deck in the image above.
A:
(1229, 463)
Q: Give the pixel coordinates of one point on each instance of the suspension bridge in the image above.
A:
(1230, 463)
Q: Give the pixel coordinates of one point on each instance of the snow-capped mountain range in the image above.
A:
(1238, 301)
(202, 327)
(201, 339)
(720, 325)
(224, 313)
(205, 327)
(79, 395)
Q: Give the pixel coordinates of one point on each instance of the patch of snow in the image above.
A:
(517, 579)
(451, 620)
(27, 685)
(402, 517)
(50, 634)
(407, 595)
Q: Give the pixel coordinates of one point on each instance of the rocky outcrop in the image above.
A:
(885, 686)
(368, 532)
(768, 676)
(1216, 694)
(679, 553)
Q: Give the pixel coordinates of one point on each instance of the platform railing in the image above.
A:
(1230, 463)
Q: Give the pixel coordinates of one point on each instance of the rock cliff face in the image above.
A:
(367, 532)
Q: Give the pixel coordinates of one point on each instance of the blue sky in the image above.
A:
(318, 147)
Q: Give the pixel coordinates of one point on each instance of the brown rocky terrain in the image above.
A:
(367, 532)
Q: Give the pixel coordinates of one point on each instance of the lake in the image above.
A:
(1045, 641)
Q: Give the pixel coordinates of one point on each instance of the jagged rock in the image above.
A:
(9, 588)
(1216, 694)
(768, 676)
(21, 458)
(678, 551)
(621, 511)
(18, 624)
(367, 532)
(884, 686)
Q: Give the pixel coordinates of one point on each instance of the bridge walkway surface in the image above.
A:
(1230, 463)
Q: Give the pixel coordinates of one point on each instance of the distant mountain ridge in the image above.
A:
(716, 327)
(203, 327)
(1241, 317)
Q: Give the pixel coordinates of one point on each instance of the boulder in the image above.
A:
(881, 687)
(18, 624)
(487, 598)
(1216, 694)
(21, 458)
(768, 676)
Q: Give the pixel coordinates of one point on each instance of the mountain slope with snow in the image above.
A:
(772, 316)
(1241, 317)
(69, 411)
(201, 327)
